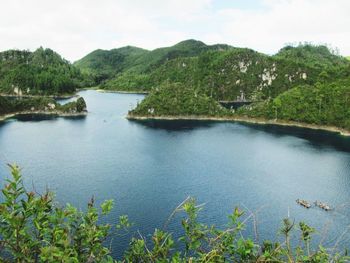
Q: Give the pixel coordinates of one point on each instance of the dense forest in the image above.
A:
(222, 71)
(192, 78)
(177, 99)
(320, 104)
(42, 72)
(308, 83)
(123, 68)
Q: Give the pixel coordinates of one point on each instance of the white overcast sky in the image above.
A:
(76, 27)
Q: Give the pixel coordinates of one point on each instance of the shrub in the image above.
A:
(34, 228)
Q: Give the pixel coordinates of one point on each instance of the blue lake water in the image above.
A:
(148, 168)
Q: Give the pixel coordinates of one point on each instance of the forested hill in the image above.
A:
(104, 64)
(305, 83)
(316, 56)
(42, 72)
(129, 60)
(221, 71)
(190, 78)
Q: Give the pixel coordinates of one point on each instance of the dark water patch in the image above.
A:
(316, 138)
(174, 125)
(234, 105)
(35, 117)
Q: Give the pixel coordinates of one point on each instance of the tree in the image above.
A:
(277, 104)
(81, 105)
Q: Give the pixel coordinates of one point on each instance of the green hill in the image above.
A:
(187, 48)
(107, 63)
(314, 56)
(42, 72)
(129, 61)
(301, 77)
(177, 99)
(227, 73)
(191, 77)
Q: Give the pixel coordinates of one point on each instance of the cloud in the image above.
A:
(75, 27)
(281, 22)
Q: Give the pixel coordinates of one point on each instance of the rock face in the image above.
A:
(51, 106)
(17, 91)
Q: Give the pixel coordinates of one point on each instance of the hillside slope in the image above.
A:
(230, 73)
(132, 61)
(316, 56)
(176, 99)
(107, 63)
(320, 104)
(42, 72)
(307, 84)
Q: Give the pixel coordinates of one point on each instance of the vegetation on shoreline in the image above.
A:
(190, 78)
(35, 228)
(305, 83)
(176, 99)
(40, 104)
(320, 104)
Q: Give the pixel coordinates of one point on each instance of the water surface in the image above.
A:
(148, 168)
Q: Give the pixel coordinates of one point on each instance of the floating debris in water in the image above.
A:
(303, 203)
(324, 206)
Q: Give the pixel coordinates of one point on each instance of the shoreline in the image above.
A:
(333, 129)
(56, 97)
(122, 91)
(45, 113)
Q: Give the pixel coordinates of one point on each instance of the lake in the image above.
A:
(149, 168)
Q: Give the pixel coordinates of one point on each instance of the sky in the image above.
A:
(74, 28)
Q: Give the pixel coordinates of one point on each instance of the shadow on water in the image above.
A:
(41, 117)
(315, 138)
(174, 125)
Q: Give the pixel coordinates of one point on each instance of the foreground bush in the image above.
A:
(33, 228)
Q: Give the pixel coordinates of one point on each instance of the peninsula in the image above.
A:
(10, 108)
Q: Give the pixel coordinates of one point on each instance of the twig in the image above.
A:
(174, 212)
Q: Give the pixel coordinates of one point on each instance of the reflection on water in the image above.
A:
(45, 117)
(174, 125)
(316, 138)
